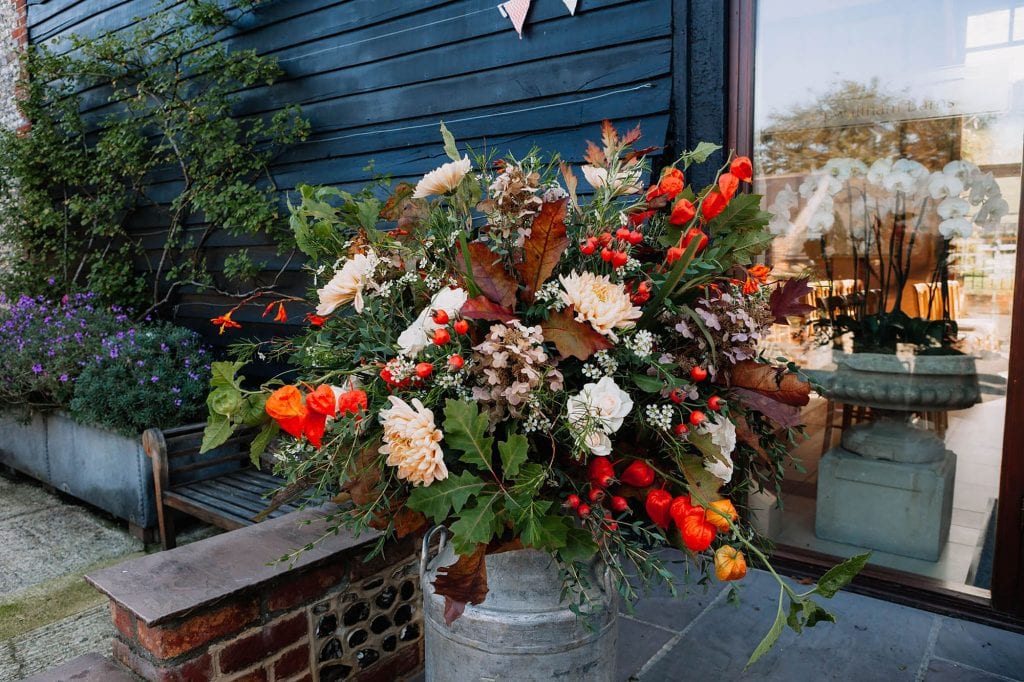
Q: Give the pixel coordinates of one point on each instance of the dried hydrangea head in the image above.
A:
(412, 442)
(513, 202)
(509, 365)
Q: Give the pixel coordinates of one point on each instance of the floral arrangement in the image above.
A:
(93, 361)
(885, 210)
(492, 351)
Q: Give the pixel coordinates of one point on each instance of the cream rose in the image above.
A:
(599, 301)
(723, 434)
(442, 180)
(598, 411)
(347, 284)
(412, 442)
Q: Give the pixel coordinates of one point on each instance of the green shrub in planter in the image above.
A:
(150, 375)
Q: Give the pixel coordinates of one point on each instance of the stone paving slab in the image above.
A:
(87, 667)
(45, 647)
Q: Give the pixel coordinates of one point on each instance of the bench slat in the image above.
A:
(239, 441)
(202, 512)
(265, 493)
(238, 508)
(230, 492)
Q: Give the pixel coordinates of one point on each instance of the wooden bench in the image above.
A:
(220, 487)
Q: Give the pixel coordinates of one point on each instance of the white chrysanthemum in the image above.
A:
(723, 434)
(416, 337)
(347, 284)
(442, 180)
(411, 442)
(598, 411)
(599, 301)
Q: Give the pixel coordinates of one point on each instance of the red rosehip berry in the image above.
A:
(619, 504)
(680, 429)
(583, 510)
(588, 247)
(635, 237)
(595, 495)
(622, 234)
(456, 362)
(606, 254)
(676, 396)
(619, 258)
(461, 326)
(424, 370)
(611, 524)
(698, 374)
(604, 239)
(441, 337)
(715, 403)
(697, 418)
(573, 501)
(441, 317)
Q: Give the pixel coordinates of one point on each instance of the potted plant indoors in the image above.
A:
(79, 382)
(896, 356)
(567, 384)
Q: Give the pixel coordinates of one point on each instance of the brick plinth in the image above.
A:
(213, 610)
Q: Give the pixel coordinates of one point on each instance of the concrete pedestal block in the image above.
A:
(763, 513)
(895, 507)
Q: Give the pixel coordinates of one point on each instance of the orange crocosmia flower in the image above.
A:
(728, 184)
(682, 212)
(750, 286)
(281, 316)
(720, 512)
(729, 563)
(225, 322)
(742, 168)
(760, 272)
(315, 320)
(285, 406)
(714, 203)
(672, 182)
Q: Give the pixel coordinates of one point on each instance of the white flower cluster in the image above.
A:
(550, 294)
(401, 368)
(536, 420)
(432, 281)
(605, 365)
(641, 344)
(660, 416)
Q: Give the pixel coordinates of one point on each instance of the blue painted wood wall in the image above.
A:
(374, 77)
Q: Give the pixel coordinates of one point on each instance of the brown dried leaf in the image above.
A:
(364, 477)
(633, 136)
(777, 383)
(780, 413)
(571, 337)
(609, 135)
(490, 275)
(571, 181)
(594, 156)
(406, 521)
(483, 308)
(544, 247)
(464, 582)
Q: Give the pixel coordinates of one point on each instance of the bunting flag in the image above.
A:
(571, 6)
(516, 11)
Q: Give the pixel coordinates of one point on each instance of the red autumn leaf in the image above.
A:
(483, 308)
(632, 136)
(490, 275)
(594, 156)
(777, 383)
(571, 337)
(464, 582)
(609, 135)
(787, 299)
(543, 248)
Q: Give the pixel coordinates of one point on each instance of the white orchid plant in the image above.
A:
(535, 365)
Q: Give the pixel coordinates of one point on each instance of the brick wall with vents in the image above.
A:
(215, 610)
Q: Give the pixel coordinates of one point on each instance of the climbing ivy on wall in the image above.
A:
(71, 185)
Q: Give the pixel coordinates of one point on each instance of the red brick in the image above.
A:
(399, 665)
(395, 554)
(308, 677)
(264, 643)
(171, 641)
(292, 662)
(194, 670)
(124, 621)
(305, 588)
(258, 675)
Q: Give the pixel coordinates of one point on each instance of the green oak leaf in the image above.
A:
(476, 525)
(513, 454)
(465, 429)
(838, 577)
(439, 499)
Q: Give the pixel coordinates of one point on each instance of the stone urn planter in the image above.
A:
(523, 630)
(889, 484)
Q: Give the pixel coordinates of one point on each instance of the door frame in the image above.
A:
(1006, 605)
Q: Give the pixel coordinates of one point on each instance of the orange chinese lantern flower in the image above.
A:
(322, 404)
(714, 203)
(353, 401)
(696, 531)
(682, 212)
(285, 406)
(672, 182)
(729, 563)
(728, 184)
(225, 322)
(720, 512)
(742, 168)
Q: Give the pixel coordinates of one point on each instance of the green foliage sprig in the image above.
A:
(71, 185)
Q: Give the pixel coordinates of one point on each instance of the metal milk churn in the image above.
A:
(522, 631)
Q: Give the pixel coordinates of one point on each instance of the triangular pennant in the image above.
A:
(516, 11)
(571, 5)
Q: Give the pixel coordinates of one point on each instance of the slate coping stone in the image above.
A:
(174, 583)
(88, 668)
(982, 647)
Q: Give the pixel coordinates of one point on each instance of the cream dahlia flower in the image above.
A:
(442, 180)
(411, 442)
(599, 301)
(347, 284)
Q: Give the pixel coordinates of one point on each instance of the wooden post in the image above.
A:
(156, 449)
